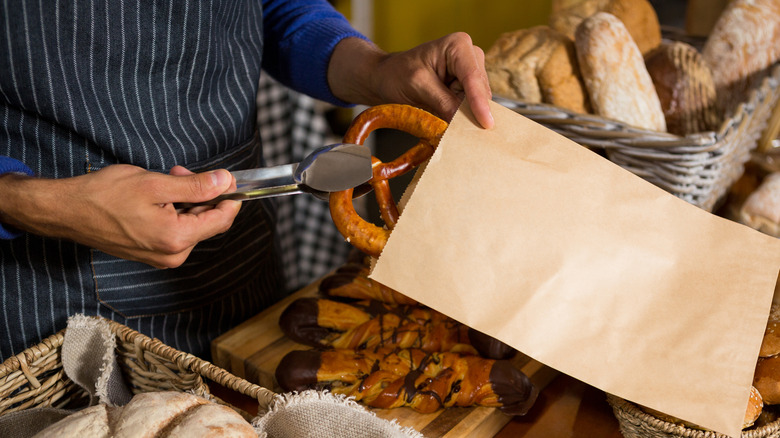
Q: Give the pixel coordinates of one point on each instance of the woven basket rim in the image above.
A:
(631, 410)
(22, 366)
(637, 137)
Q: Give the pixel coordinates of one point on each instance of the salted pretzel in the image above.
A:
(364, 235)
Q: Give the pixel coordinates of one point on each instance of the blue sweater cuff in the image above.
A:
(299, 41)
(322, 40)
(10, 165)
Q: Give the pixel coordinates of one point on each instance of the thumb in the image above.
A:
(200, 187)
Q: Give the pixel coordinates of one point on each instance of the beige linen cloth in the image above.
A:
(535, 240)
(88, 359)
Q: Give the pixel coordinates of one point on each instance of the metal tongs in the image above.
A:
(331, 168)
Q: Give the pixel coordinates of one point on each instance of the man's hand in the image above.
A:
(122, 210)
(435, 76)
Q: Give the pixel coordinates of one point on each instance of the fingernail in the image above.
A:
(219, 178)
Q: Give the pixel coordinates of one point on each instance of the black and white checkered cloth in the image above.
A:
(291, 126)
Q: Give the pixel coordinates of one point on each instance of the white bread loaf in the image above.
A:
(614, 72)
(154, 414)
(744, 41)
(91, 422)
(536, 64)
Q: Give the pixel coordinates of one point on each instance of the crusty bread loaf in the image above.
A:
(89, 422)
(744, 42)
(536, 65)
(559, 5)
(149, 412)
(615, 75)
(212, 421)
(154, 415)
(639, 16)
(761, 210)
(685, 87)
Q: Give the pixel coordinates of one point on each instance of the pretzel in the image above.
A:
(364, 235)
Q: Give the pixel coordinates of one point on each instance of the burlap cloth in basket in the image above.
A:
(89, 360)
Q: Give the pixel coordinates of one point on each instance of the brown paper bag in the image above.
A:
(533, 239)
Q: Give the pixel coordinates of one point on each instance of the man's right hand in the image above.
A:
(122, 210)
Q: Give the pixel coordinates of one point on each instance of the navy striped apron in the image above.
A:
(85, 84)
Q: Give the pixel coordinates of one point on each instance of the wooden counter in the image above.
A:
(253, 349)
(566, 408)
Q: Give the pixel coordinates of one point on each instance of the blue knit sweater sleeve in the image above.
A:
(7, 165)
(298, 39)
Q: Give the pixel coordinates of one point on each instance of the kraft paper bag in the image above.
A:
(531, 238)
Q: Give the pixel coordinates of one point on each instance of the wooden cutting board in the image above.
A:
(253, 349)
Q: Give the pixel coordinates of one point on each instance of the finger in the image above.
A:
(467, 63)
(197, 187)
(180, 171)
(206, 224)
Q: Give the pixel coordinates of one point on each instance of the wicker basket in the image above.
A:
(35, 377)
(635, 423)
(699, 168)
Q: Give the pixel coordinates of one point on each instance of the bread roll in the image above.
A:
(744, 41)
(615, 75)
(767, 379)
(752, 412)
(536, 65)
(685, 88)
(754, 409)
(761, 210)
(770, 344)
(154, 414)
(639, 17)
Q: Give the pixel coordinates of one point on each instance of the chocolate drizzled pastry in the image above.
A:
(351, 281)
(390, 378)
(324, 323)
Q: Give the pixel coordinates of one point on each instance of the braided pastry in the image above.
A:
(351, 281)
(426, 382)
(319, 322)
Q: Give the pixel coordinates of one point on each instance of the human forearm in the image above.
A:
(122, 210)
(352, 72)
(33, 204)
